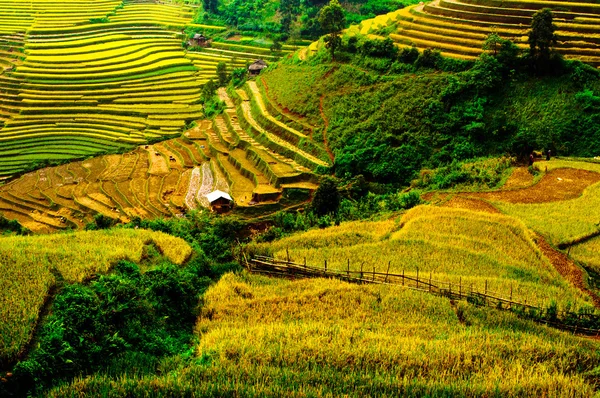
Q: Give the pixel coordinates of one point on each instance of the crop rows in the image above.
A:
(458, 28)
(251, 151)
(81, 78)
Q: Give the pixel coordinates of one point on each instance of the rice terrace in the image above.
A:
(285, 198)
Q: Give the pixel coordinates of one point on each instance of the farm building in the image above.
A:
(220, 201)
(256, 67)
(199, 40)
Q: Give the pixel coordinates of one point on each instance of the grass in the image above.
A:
(30, 266)
(268, 337)
(446, 244)
(561, 222)
(588, 253)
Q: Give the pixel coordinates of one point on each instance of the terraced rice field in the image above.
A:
(465, 247)
(458, 28)
(82, 77)
(248, 151)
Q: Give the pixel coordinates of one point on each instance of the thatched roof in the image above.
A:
(258, 65)
(198, 36)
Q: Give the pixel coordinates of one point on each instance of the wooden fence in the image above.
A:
(291, 270)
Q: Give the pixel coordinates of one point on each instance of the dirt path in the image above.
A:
(325, 141)
(567, 268)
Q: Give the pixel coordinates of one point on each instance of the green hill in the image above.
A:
(386, 114)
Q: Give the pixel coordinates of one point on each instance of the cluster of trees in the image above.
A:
(292, 18)
(393, 128)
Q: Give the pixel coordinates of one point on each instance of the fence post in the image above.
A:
(486, 287)
(403, 277)
(287, 252)
(348, 268)
(430, 282)
(325, 266)
(417, 277)
(387, 273)
(304, 262)
(361, 270)
(510, 295)
(373, 273)
(460, 286)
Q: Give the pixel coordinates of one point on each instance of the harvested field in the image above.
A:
(556, 185)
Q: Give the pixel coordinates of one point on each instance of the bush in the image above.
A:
(128, 312)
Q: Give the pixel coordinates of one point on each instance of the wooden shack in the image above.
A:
(199, 40)
(220, 201)
(256, 67)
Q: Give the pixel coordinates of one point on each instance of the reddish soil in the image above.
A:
(556, 185)
(325, 141)
(567, 268)
(520, 178)
(470, 204)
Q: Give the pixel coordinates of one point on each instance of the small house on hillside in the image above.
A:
(199, 40)
(220, 201)
(256, 67)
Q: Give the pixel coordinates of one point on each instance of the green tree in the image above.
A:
(492, 43)
(327, 197)
(222, 74)
(210, 6)
(332, 21)
(541, 36)
(209, 90)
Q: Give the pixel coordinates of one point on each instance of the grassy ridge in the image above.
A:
(267, 337)
(30, 266)
(454, 245)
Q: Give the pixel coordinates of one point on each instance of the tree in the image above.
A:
(327, 197)
(541, 36)
(332, 21)
(210, 6)
(209, 90)
(222, 74)
(492, 43)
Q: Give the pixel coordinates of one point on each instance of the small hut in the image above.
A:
(198, 40)
(220, 201)
(256, 67)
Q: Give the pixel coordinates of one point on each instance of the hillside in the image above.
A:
(266, 337)
(386, 116)
(387, 238)
(87, 77)
(459, 27)
(32, 267)
(455, 246)
(266, 160)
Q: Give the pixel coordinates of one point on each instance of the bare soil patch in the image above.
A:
(520, 178)
(470, 204)
(556, 185)
(567, 268)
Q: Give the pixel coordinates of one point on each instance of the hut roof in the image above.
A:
(259, 64)
(216, 195)
(199, 36)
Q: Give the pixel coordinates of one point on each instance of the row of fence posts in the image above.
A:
(417, 280)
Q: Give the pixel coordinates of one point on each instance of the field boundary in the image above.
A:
(270, 266)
